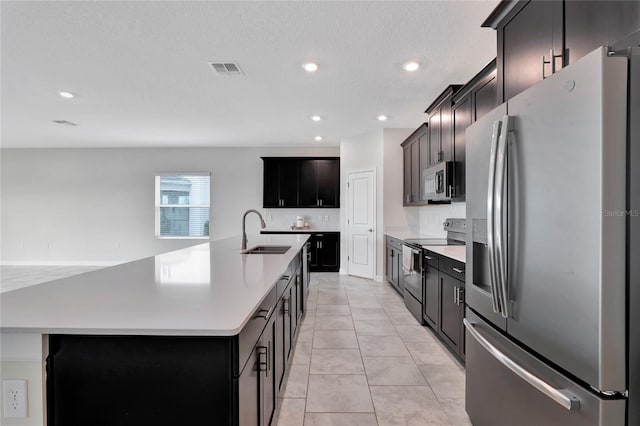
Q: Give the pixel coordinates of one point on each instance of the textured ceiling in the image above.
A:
(141, 76)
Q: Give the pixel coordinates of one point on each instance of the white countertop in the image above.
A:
(306, 231)
(458, 253)
(209, 289)
(406, 234)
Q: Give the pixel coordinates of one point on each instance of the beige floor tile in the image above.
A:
(374, 328)
(302, 353)
(291, 412)
(334, 323)
(402, 318)
(341, 339)
(369, 314)
(329, 310)
(332, 299)
(455, 411)
(407, 405)
(338, 393)
(306, 333)
(392, 371)
(336, 361)
(430, 354)
(382, 346)
(296, 386)
(340, 419)
(447, 382)
(414, 333)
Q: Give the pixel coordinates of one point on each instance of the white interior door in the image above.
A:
(361, 219)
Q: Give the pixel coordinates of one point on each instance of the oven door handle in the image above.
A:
(561, 396)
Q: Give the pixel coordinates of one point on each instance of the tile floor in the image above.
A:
(361, 359)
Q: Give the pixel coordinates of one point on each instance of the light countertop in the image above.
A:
(209, 289)
(458, 253)
(305, 231)
(405, 234)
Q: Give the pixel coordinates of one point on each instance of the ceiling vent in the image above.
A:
(64, 122)
(226, 68)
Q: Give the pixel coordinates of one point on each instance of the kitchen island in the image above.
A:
(195, 336)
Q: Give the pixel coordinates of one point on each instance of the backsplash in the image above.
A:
(432, 217)
(324, 219)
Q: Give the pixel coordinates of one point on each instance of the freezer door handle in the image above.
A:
(493, 271)
(499, 212)
(561, 396)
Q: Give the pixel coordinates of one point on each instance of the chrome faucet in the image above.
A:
(244, 223)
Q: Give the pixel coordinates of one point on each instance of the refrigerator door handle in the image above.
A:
(499, 210)
(561, 396)
(490, 217)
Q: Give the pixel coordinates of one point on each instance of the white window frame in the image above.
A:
(158, 205)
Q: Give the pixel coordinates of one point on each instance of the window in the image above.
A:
(182, 205)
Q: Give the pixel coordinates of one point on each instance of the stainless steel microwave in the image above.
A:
(437, 182)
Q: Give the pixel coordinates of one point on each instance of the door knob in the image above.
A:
(370, 230)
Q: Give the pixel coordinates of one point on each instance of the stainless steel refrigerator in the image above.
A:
(550, 338)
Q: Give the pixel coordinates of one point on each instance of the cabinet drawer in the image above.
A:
(394, 242)
(431, 258)
(452, 267)
(252, 330)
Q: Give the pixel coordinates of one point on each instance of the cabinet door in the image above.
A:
(329, 183)
(286, 308)
(313, 253)
(389, 263)
(590, 24)
(267, 374)
(461, 118)
(397, 270)
(434, 138)
(289, 183)
(446, 132)
(249, 393)
(423, 142)
(527, 38)
(328, 252)
(450, 323)
(485, 97)
(406, 200)
(280, 357)
(308, 196)
(271, 184)
(431, 306)
(415, 172)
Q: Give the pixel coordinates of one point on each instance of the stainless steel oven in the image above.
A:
(412, 277)
(437, 182)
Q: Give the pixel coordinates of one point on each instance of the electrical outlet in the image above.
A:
(14, 398)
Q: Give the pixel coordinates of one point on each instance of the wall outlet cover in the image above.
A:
(14, 398)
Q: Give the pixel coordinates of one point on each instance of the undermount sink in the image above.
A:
(267, 250)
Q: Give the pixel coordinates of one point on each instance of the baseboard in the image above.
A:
(342, 271)
(60, 263)
(380, 278)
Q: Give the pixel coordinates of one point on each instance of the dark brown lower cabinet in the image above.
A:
(443, 304)
(106, 380)
(325, 252)
(394, 263)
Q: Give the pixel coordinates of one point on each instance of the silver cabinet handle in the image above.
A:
(428, 257)
(460, 295)
(265, 315)
(458, 270)
(285, 305)
(561, 396)
(455, 295)
(263, 365)
(497, 125)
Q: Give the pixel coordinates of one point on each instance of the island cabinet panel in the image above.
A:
(178, 380)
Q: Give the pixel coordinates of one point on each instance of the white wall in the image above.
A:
(96, 206)
(359, 153)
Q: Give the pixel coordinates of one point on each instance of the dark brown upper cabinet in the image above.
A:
(440, 134)
(301, 182)
(412, 159)
(471, 102)
(537, 38)
(280, 183)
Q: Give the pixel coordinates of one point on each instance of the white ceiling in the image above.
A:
(141, 76)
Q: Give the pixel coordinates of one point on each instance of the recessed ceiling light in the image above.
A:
(318, 138)
(382, 117)
(316, 118)
(411, 66)
(310, 66)
(66, 95)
